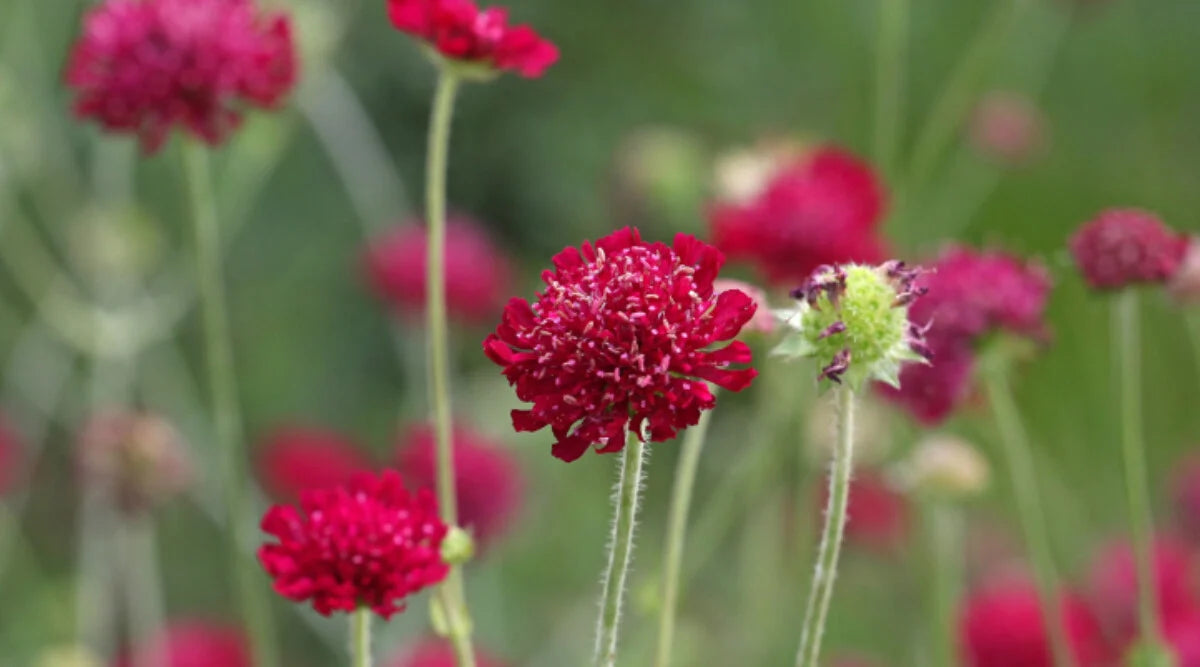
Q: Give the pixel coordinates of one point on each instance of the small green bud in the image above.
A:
(458, 546)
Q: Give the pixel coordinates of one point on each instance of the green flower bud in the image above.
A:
(458, 546)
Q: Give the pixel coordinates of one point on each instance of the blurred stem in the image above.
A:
(1022, 472)
(831, 535)
(451, 591)
(946, 541)
(360, 637)
(1129, 353)
(889, 82)
(681, 500)
(620, 549)
(1192, 322)
(223, 394)
(143, 585)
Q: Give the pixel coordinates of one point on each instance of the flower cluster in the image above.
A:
(1124, 247)
(369, 543)
(139, 456)
(477, 274)
(854, 319)
(461, 32)
(878, 518)
(621, 340)
(145, 66)
(294, 459)
(11, 458)
(193, 643)
(824, 208)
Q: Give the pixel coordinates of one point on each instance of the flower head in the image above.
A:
(478, 275)
(461, 32)
(193, 643)
(1183, 634)
(1185, 492)
(854, 319)
(293, 459)
(11, 458)
(931, 392)
(823, 208)
(487, 477)
(436, 653)
(367, 543)
(1124, 247)
(762, 322)
(621, 339)
(145, 66)
(1184, 286)
(140, 456)
(1114, 584)
(1007, 128)
(878, 515)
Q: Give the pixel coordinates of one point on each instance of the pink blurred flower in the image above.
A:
(1185, 492)
(1184, 286)
(478, 275)
(193, 643)
(931, 392)
(763, 321)
(1008, 128)
(140, 456)
(1114, 584)
(292, 459)
(1124, 247)
(1183, 634)
(487, 477)
(878, 515)
(12, 457)
(433, 652)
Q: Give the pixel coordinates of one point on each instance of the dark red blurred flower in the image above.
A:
(1183, 634)
(292, 459)
(1185, 492)
(368, 543)
(931, 392)
(487, 477)
(145, 66)
(193, 643)
(1123, 247)
(824, 208)
(621, 338)
(436, 653)
(478, 276)
(140, 456)
(459, 30)
(1114, 584)
(11, 457)
(1002, 625)
(878, 515)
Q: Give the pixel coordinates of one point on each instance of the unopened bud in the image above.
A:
(458, 546)
(139, 456)
(946, 467)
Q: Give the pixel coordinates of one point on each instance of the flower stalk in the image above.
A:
(360, 637)
(620, 552)
(946, 542)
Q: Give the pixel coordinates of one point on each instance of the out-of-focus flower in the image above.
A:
(140, 456)
(946, 467)
(293, 459)
(461, 32)
(878, 515)
(931, 392)
(1184, 286)
(854, 320)
(872, 432)
(740, 176)
(824, 208)
(369, 543)
(657, 177)
(11, 457)
(193, 643)
(145, 66)
(1183, 634)
(1124, 247)
(1008, 128)
(478, 275)
(1114, 584)
(763, 321)
(1185, 492)
(487, 477)
(1002, 625)
(622, 340)
(436, 653)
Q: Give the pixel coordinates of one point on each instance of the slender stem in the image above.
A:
(453, 597)
(143, 585)
(825, 573)
(1015, 442)
(620, 552)
(223, 395)
(360, 637)
(681, 500)
(947, 546)
(1192, 321)
(889, 82)
(1141, 518)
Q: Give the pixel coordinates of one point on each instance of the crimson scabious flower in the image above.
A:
(145, 66)
(487, 477)
(436, 653)
(293, 459)
(931, 392)
(763, 321)
(460, 31)
(878, 515)
(478, 275)
(1001, 625)
(193, 643)
(622, 338)
(1124, 247)
(141, 457)
(11, 458)
(1185, 492)
(1115, 590)
(369, 543)
(823, 208)
(1183, 635)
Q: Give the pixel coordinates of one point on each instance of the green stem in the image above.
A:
(825, 573)
(947, 546)
(1192, 321)
(226, 411)
(1141, 518)
(620, 552)
(143, 585)
(1015, 442)
(360, 637)
(889, 82)
(454, 599)
(681, 500)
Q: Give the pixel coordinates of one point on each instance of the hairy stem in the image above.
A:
(620, 552)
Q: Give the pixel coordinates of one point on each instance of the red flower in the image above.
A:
(367, 543)
(459, 30)
(931, 392)
(436, 653)
(1002, 626)
(1008, 128)
(1186, 496)
(878, 515)
(193, 643)
(487, 478)
(1183, 634)
(11, 457)
(144, 66)
(619, 339)
(293, 459)
(1123, 247)
(1114, 584)
(477, 273)
(822, 209)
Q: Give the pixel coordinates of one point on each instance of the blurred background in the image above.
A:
(97, 309)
